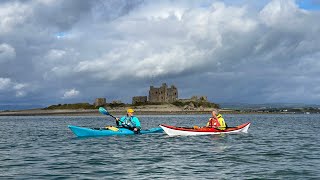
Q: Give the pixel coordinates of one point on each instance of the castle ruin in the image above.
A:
(163, 94)
(100, 102)
(195, 99)
(139, 99)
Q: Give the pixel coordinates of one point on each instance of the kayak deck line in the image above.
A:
(186, 131)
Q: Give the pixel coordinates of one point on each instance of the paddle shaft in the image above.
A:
(113, 116)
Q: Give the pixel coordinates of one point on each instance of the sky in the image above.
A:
(233, 51)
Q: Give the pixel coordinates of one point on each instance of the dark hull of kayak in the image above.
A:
(88, 132)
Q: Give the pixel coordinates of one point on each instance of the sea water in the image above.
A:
(275, 147)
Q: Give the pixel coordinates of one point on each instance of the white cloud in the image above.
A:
(284, 14)
(13, 14)
(4, 83)
(54, 54)
(46, 2)
(71, 93)
(21, 93)
(7, 86)
(7, 52)
(158, 44)
(19, 86)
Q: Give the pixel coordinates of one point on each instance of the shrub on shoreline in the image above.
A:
(71, 106)
(196, 104)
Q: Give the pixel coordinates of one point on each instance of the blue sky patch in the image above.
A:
(61, 35)
(309, 4)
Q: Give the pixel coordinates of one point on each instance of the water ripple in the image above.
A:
(276, 147)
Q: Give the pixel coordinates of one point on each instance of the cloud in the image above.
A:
(4, 83)
(197, 35)
(13, 14)
(54, 54)
(7, 52)
(239, 51)
(7, 86)
(70, 93)
(20, 93)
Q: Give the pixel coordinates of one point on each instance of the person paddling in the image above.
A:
(129, 121)
(216, 121)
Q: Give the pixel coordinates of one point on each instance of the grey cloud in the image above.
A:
(7, 52)
(231, 52)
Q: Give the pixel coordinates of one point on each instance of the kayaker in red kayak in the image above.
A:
(129, 121)
(216, 121)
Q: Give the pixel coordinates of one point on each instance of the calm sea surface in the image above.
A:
(276, 147)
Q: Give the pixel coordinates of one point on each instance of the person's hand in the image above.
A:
(117, 119)
(135, 129)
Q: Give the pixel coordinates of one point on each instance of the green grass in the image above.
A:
(71, 106)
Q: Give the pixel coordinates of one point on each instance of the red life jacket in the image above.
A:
(214, 123)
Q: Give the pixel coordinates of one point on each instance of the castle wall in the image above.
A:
(195, 99)
(163, 94)
(139, 99)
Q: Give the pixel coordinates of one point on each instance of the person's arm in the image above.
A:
(136, 122)
(208, 123)
(117, 122)
(120, 121)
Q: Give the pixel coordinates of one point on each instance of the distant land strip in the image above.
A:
(91, 112)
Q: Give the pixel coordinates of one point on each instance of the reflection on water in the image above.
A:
(220, 142)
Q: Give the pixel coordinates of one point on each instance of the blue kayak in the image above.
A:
(108, 131)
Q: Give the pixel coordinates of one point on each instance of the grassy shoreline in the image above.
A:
(117, 112)
(94, 112)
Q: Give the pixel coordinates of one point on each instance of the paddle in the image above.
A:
(105, 112)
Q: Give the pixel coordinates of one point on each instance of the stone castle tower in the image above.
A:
(100, 102)
(163, 94)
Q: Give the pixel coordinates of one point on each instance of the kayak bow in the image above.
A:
(86, 132)
(188, 131)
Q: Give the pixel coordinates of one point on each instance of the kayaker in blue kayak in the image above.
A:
(129, 121)
(216, 121)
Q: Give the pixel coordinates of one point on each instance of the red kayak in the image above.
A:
(188, 131)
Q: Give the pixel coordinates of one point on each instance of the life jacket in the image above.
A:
(213, 123)
(217, 123)
(128, 121)
(222, 123)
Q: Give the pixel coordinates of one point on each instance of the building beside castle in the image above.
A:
(139, 99)
(195, 99)
(99, 102)
(163, 94)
